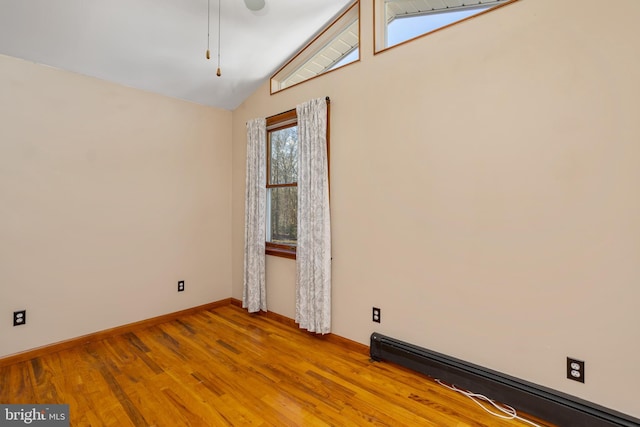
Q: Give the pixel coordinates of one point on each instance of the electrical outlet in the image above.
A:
(575, 369)
(19, 317)
(181, 286)
(376, 315)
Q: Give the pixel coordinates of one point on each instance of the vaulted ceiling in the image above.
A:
(159, 45)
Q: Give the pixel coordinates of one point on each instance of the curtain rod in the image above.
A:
(293, 109)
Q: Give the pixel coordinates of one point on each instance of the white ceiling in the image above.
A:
(160, 45)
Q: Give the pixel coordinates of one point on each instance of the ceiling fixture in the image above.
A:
(254, 5)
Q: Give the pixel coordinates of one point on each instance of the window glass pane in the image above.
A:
(353, 56)
(398, 21)
(282, 205)
(411, 26)
(283, 147)
(337, 51)
(331, 49)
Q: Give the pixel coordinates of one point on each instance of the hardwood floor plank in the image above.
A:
(19, 384)
(223, 366)
(108, 367)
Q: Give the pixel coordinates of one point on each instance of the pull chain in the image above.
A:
(218, 73)
(208, 55)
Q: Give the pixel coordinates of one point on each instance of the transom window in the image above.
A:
(398, 21)
(336, 46)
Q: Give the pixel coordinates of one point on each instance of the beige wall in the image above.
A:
(484, 193)
(108, 197)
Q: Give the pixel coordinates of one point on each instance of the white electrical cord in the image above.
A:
(508, 411)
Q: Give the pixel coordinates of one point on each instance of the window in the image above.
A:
(336, 46)
(398, 21)
(282, 186)
(282, 183)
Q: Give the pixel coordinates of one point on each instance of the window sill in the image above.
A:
(281, 251)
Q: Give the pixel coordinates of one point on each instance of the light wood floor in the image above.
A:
(225, 367)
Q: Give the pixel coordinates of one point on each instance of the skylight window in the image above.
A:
(336, 46)
(398, 21)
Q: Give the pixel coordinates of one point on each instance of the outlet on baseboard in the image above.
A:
(181, 286)
(19, 317)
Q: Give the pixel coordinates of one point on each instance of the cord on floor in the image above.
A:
(506, 412)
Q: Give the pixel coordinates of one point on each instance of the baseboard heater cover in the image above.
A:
(553, 406)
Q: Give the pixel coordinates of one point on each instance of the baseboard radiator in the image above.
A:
(547, 404)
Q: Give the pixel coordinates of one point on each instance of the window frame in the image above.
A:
(379, 26)
(274, 123)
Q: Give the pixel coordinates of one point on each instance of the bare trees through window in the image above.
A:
(282, 191)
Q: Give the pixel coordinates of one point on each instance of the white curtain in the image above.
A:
(313, 255)
(254, 292)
